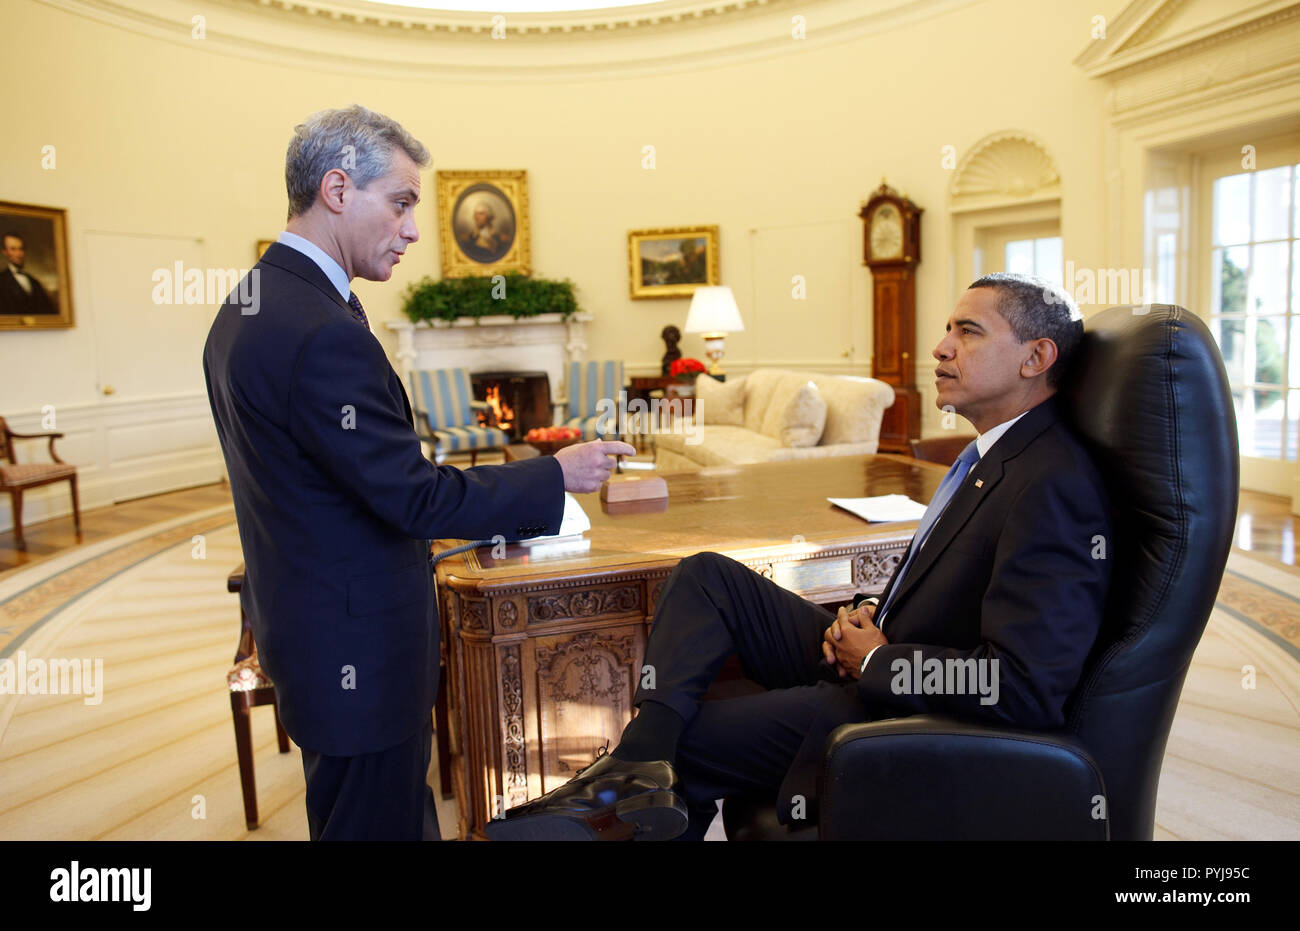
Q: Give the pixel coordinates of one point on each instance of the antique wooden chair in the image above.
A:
(16, 477)
(249, 687)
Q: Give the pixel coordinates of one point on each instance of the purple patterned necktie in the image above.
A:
(357, 312)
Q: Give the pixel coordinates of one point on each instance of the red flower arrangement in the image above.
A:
(685, 369)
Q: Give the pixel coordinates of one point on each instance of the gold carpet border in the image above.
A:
(25, 611)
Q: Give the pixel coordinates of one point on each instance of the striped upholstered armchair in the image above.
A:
(445, 414)
(588, 383)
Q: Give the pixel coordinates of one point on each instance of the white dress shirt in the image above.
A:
(982, 443)
(21, 277)
(333, 270)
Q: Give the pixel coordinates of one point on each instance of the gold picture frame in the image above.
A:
(260, 249)
(672, 262)
(35, 241)
(483, 225)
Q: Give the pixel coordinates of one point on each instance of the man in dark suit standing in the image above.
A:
(21, 292)
(335, 501)
(989, 616)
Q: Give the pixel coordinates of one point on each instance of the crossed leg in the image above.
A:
(713, 607)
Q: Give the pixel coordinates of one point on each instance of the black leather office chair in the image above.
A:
(1150, 396)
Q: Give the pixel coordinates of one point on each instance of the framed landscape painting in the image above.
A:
(672, 262)
(35, 286)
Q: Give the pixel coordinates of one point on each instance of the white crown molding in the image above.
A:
(1125, 49)
(1252, 52)
(1151, 20)
(346, 36)
(392, 16)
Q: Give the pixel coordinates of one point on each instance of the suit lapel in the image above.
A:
(291, 260)
(980, 480)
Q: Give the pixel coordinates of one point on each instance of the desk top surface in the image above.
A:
(766, 509)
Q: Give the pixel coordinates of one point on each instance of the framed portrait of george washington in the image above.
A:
(35, 286)
(672, 262)
(483, 223)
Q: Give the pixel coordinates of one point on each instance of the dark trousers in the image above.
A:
(375, 796)
(769, 743)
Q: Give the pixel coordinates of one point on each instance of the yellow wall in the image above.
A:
(161, 136)
(170, 147)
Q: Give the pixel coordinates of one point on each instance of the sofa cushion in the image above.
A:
(721, 402)
(854, 406)
(760, 386)
(804, 417)
(722, 446)
(784, 385)
(854, 403)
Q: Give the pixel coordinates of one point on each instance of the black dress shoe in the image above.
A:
(611, 799)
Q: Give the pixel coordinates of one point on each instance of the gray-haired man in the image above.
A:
(335, 500)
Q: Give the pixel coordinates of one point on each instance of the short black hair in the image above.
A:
(8, 233)
(1037, 309)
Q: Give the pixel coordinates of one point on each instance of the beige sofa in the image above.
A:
(854, 407)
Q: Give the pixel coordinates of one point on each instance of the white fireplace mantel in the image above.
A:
(545, 343)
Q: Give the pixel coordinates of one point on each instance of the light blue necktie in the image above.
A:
(947, 489)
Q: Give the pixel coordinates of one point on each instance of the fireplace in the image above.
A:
(520, 400)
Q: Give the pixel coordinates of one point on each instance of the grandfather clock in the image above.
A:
(891, 249)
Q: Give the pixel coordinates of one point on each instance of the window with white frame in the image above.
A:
(1041, 257)
(1255, 304)
(1030, 248)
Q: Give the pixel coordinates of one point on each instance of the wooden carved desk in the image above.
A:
(545, 643)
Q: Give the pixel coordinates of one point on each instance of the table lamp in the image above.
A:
(714, 313)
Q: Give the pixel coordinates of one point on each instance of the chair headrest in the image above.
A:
(1148, 393)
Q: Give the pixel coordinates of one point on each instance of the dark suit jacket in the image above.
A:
(14, 300)
(336, 505)
(1010, 572)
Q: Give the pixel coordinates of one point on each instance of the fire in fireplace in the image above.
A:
(501, 410)
(519, 401)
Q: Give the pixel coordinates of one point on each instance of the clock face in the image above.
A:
(886, 233)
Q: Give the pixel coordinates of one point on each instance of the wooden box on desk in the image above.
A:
(626, 488)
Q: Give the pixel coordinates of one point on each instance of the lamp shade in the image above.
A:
(714, 310)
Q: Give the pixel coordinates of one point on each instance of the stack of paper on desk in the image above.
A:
(882, 507)
(573, 524)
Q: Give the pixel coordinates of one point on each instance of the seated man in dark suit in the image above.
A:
(989, 616)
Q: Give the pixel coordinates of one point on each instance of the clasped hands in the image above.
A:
(852, 635)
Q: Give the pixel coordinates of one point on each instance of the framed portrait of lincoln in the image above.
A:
(35, 287)
(483, 222)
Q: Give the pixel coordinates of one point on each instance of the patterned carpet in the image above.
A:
(152, 756)
(1232, 764)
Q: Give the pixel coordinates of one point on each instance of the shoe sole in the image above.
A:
(657, 815)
